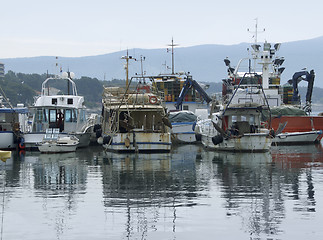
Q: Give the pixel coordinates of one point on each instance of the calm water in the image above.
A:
(187, 194)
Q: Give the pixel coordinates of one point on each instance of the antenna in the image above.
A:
(172, 45)
(127, 66)
(256, 31)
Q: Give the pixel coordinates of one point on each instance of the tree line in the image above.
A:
(23, 88)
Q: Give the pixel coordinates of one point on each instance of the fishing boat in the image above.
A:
(63, 111)
(237, 127)
(283, 100)
(134, 122)
(12, 124)
(53, 142)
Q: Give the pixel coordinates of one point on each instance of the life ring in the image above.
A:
(153, 99)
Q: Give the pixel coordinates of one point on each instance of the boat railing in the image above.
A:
(70, 81)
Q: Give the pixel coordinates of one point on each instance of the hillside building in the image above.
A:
(1, 70)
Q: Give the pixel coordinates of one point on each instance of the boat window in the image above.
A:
(54, 101)
(185, 107)
(74, 115)
(82, 116)
(70, 101)
(52, 115)
(45, 115)
(243, 118)
(39, 115)
(234, 118)
(252, 119)
(68, 115)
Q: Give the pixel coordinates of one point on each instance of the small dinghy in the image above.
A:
(55, 143)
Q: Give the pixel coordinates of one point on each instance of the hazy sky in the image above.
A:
(73, 28)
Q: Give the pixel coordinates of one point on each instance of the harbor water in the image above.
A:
(189, 193)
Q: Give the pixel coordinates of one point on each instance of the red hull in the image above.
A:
(299, 123)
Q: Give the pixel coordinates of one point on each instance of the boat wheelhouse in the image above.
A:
(63, 111)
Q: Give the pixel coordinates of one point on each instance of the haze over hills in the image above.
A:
(204, 62)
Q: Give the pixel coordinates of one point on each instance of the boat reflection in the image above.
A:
(143, 194)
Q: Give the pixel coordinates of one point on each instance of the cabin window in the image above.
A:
(74, 115)
(54, 101)
(68, 115)
(243, 118)
(82, 116)
(234, 118)
(252, 119)
(52, 115)
(39, 115)
(45, 115)
(185, 107)
(70, 101)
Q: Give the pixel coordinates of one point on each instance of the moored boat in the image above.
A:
(134, 122)
(183, 126)
(283, 100)
(12, 124)
(65, 112)
(55, 143)
(236, 128)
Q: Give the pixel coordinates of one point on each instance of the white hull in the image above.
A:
(56, 148)
(256, 142)
(144, 142)
(183, 133)
(297, 137)
(32, 139)
(7, 140)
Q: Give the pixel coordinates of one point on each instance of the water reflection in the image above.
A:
(147, 185)
(176, 195)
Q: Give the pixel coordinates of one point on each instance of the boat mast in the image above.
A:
(172, 45)
(127, 67)
(256, 46)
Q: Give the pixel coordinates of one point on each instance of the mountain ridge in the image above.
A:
(204, 62)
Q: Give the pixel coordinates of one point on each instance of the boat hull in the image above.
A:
(7, 140)
(56, 148)
(183, 133)
(297, 138)
(299, 124)
(142, 142)
(33, 139)
(257, 142)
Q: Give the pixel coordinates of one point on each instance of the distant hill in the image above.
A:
(204, 62)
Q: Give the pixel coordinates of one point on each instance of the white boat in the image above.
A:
(12, 124)
(183, 126)
(237, 129)
(65, 112)
(134, 122)
(287, 138)
(55, 143)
